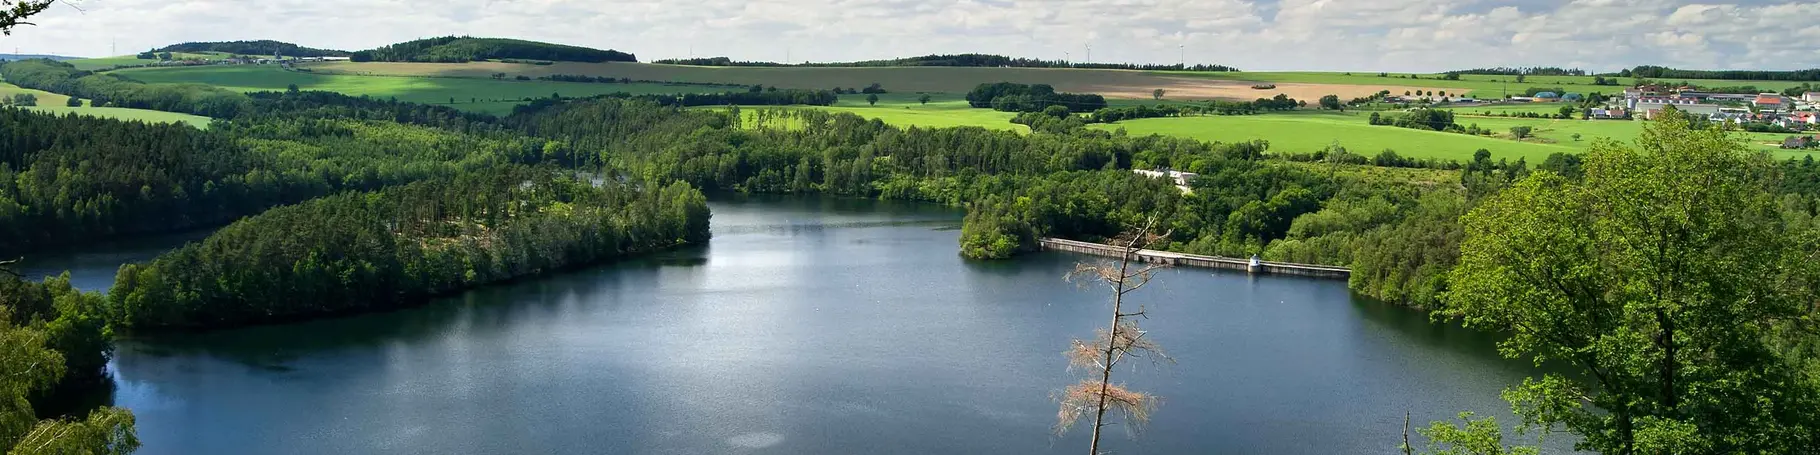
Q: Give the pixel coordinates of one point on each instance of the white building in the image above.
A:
(1181, 179)
(1650, 110)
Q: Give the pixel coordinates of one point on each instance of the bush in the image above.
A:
(73, 102)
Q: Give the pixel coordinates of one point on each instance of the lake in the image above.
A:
(807, 326)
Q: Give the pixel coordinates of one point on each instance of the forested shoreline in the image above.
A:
(355, 252)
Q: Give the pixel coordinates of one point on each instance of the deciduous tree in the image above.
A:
(1665, 277)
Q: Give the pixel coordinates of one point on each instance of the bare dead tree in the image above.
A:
(6, 268)
(1122, 340)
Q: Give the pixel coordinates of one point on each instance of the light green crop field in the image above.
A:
(56, 104)
(1561, 132)
(1306, 132)
(942, 112)
(96, 64)
(905, 110)
(468, 94)
(1538, 108)
(1482, 86)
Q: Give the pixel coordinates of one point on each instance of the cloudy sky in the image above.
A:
(1362, 35)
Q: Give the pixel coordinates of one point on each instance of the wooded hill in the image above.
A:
(457, 49)
(259, 47)
(957, 60)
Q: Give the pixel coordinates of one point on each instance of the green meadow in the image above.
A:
(944, 110)
(57, 104)
(1306, 132)
(97, 64)
(1482, 86)
(469, 94)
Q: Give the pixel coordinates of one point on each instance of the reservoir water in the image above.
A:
(806, 326)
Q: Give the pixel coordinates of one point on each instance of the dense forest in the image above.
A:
(260, 47)
(363, 251)
(458, 49)
(69, 178)
(1659, 72)
(960, 60)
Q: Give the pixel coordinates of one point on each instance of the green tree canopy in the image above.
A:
(1660, 277)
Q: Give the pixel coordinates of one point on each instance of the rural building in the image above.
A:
(1182, 179)
(1636, 103)
(1572, 97)
(1770, 102)
(1547, 95)
(1811, 97)
(1608, 113)
(1651, 110)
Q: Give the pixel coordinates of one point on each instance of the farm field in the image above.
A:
(97, 64)
(1111, 83)
(56, 104)
(474, 95)
(1483, 86)
(904, 110)
(1561, 132)
(1311, 131)
(1534, 108)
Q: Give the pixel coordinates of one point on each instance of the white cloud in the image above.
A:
(1395, 35)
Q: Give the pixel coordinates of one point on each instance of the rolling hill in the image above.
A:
(456, 49)
(259, 47)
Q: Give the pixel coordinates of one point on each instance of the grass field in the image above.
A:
(95, 64)
(1482, 86)
(942, 111)
(476, 95)
(1111, 83)
(56, 104)
(1305, 132)
(1537, 108)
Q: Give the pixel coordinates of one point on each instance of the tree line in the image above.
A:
(1662, 72)
(459, 49)
(356, 252)
(259, 47)
(953, 60)
(1529, 71)
(1015, 97)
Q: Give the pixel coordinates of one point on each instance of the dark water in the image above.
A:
(810, 327)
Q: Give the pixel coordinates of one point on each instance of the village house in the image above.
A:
(1805, 118)
(1811, 97)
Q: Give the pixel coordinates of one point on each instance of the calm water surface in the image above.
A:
(806, 327)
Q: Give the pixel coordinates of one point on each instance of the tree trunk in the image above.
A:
(1118, 297)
